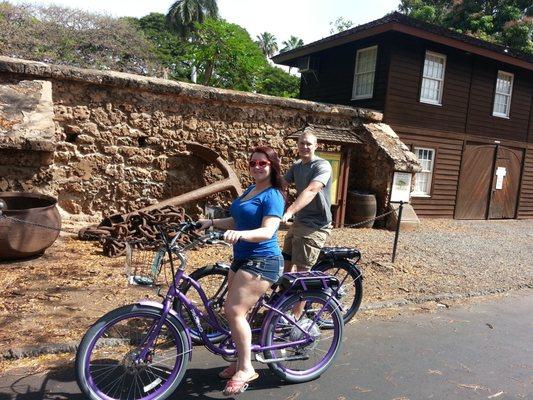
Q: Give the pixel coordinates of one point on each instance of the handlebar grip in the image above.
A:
(197, 225)
(217, 235)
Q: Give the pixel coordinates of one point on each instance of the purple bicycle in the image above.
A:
(141, 351)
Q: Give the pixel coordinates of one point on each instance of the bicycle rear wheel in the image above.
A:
(307, 361)
(108, 365)
(350, 293)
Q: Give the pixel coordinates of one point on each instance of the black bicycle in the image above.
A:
(340, 262)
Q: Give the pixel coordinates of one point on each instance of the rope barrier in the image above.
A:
(52, 228)
(88, 235)
(368, 220)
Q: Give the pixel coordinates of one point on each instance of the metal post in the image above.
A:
(397, 231)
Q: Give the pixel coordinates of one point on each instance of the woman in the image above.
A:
(257, 260)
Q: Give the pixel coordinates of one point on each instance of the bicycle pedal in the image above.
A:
(230, 358)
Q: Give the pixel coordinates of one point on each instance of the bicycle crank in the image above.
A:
(261, 359)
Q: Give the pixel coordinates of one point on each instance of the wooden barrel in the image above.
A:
(360, 207)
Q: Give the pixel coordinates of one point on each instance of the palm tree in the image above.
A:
(183, 14)
(268, 43)
(292, 43)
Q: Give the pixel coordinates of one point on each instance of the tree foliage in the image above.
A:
(339, 25)
(183, 15)
(169, 48)
(223, 53)
(68, 36)
(226, 56)
(267, 42)
(277, 82)
(292, 43)
(505, 22)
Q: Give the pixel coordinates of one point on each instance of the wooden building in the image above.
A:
(464, 106)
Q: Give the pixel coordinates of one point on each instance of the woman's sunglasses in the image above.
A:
(260, 164)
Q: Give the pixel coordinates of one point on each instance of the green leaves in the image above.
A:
(226, 56)
(221, 53)
(267, 42)
(184, 14)
(292, 43)
(277, 82)
(63, 35)
(506, 22)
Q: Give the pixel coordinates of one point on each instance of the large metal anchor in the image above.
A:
(116, 229)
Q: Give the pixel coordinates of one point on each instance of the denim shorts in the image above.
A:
(269, 268)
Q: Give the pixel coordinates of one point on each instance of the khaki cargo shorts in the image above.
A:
(302, 244)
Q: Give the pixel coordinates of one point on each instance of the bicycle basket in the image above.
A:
(143, 267)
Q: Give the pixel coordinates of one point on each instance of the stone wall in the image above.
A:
(118, 141)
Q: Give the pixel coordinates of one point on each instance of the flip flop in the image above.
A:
(235, 386)
(227, 372)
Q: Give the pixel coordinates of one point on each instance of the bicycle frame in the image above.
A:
(225, 351)
(211, 319)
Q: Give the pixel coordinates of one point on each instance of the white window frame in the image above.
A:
(509, 95)
(440, 81)
(427, 193)
(361, 53)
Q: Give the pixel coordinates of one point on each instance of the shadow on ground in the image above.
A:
(60, 383)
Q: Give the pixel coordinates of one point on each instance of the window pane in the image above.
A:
(432, 78)
(430, 89)
(423, 178)
(365, 72)
(422, 182)
(433, 67)
(503, 84)
(364, 84)
(500, 104)
(502, 95)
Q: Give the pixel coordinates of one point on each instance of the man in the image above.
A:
(312, 208)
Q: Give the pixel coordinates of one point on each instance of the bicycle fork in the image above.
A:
(147, 345)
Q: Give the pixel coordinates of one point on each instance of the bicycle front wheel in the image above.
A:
(304, 362)
(108, 361)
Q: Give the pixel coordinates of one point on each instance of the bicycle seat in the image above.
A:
(339, 252)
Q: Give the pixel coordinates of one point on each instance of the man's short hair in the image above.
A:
(309, 134)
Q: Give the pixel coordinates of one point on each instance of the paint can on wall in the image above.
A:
(361, 206)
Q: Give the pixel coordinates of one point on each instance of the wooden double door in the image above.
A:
(489, 182)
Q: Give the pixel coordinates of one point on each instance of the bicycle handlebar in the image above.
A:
(187, 227)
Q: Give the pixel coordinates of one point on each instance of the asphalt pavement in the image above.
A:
(481, 350)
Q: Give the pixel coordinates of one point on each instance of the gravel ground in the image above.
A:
(53, 299)
(447, 257)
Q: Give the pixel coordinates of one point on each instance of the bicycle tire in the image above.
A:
(350, 294)
(217, 295)
(277, 328)
(105, 361)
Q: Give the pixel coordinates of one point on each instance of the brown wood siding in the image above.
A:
(480, 119)
(530, 134)
(504, 199)
(525, 208)
(441, 204)
(402, 104)
(334, 80)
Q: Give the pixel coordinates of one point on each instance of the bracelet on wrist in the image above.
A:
(212, 223)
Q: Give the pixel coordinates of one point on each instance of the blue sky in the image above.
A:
(307, 19)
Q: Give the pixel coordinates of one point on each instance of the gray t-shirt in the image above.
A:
(317, 214)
